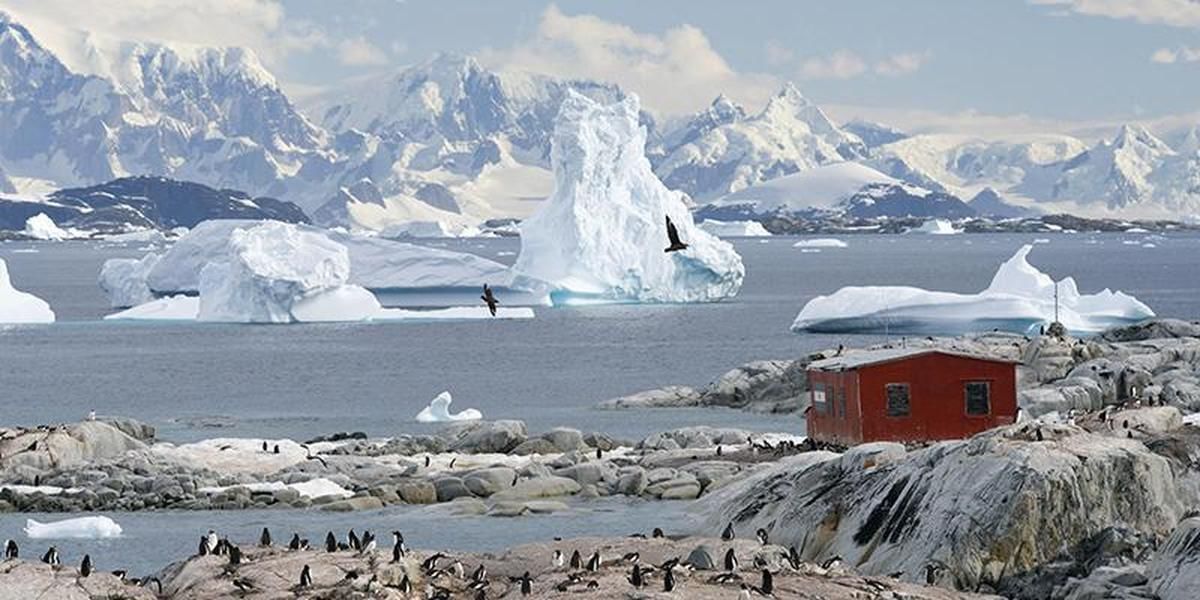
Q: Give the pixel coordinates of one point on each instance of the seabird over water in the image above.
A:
(489, 299)
(673, 238)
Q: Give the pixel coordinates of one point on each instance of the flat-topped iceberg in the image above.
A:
(821, 243)
(96, 527)
(1019, 299)
(375, 263)
(601, 234)
(123, 280)
(20, 307)
(734, 228)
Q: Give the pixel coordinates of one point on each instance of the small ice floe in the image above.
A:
(1042, 241)
(1149, 245)
(506, 253)
(77, 528)
(821, 243)
(438, 411)
(26, 251)
(734, 228)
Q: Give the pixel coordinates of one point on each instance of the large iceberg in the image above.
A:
(42, 227)
(377, 264)
(601, 234)
(123, 280)
(1019, 299)
(20, 307)
(96, 527)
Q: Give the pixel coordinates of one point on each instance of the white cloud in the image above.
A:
(901, 64)
(358, 52)
(1168, 56)
(778, 54)
(1176, 13)
(258, 24)
(845, 64)
(842, 64)
(675, 72)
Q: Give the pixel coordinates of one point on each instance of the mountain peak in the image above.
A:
(791, 94)
(1136, 134)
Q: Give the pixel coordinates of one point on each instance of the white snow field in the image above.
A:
(601, 234)
(936, 227)
(42, 227)
(98, 527)
(376, 264)
(20, 307)
(123, 280)
(438, 411)
(817, 188)
(1019, 299)
(725, 229)
(821, 243)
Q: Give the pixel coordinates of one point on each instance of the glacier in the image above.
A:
(438, 411)
(20, 307)
(1020, 299)
(97, 527)
(600, 236)
(123, 280)
(734, 228)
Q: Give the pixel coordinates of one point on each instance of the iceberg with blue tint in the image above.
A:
(20, 307)
(601, 234)
(1020, 299)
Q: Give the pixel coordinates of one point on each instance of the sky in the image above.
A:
(985, 66)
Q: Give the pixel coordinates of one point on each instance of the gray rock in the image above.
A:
(543, 487)
(449, 488)
(565, 439)
(632, 483)
(701, 558)
(534, 446)
(1153, 329)
(769, 386)
(592, 473)
(486, 436)
(673, 396)
(353, 504)
(485, 482)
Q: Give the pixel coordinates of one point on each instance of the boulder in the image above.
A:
(589, 473)
(632, 483)
(481, 437)
(1174, 571)
(485, 482)
(768, 386)
(1153, 329)
(672, 396)
(534, 446)
(353, 504)
(449, 488)
(64, 446)
(20, 579)
(542, 487)
(565, 439)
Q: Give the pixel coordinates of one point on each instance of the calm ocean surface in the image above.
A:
(305, 380)
(300, 381)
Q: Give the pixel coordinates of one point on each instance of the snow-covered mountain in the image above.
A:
(1114, 173)
(144, 203)
(720, 150)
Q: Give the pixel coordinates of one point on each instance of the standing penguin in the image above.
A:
(294, 544)
(305, 576)
(761, 534)
(265, 539)
(593, 563)
(398, 549)
(85, 568)
(51, 556)
(669, 580)
(731, 561)
(635, 577)
(11, 550)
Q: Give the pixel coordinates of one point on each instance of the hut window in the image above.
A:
(818, 392)
(978, 395)
(897, 400)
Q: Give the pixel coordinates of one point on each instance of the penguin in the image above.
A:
(599, 453)
(51, 556)
(576, 560)
(632, 557)
(235, 554)
(91, 415)
(212, 541)
(718, 450)
(11, 550)
(480, 574)
(458, 569)
(593, 563)
(669, 581)
(728, 533)
(745, 593)
(452, 461)
(294, 544)
(353, 541)
(368, 543)
(635, 577)
(556, 560)
(85, 568)
(202, 550)
(330, 542)
(794, 558)
(265, 539)
(264, 446)
(831, 562)
(527, 584)
(731, 561)
(405, 585)
(427, 461)
(305, 576)
(276, 448)
(761, 534)
(768, 583)
(398, 550)
(657, 533)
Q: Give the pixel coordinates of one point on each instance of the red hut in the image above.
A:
(909, 395)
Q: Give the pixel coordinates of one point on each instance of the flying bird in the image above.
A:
(489, 299)
(673, 238)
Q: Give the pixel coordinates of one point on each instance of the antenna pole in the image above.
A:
(1055, 301)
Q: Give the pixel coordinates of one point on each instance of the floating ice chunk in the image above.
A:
(20, 307)
(341, 304)
(936, 227)
(313, 488)
(821, 243)
(427, 229)
(42, 227)
(734, 228)
(77, 528)
(1020, 298)
(438, 411)
(601, 234)
(124, 280)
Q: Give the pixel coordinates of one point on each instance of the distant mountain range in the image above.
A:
(144, 203)
(451, 141)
